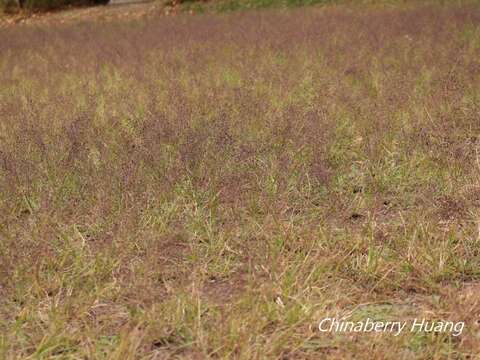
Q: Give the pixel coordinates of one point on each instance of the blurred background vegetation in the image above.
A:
(9, 6)
(200, 6)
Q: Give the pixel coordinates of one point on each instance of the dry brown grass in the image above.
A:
(213, 186)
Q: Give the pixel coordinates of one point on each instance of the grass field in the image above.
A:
(213, 186)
